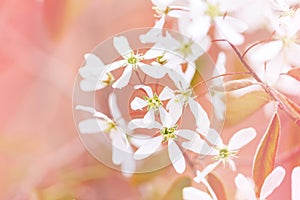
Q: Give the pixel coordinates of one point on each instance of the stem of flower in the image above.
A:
(274, 94)
(137, 74)
(221, 75)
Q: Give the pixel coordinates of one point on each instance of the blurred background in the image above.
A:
(41, 157)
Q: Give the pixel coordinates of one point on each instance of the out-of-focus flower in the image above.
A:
(94, 74)
(204, 13)
(272, 59)
(246, 188)
(122, 152)
(191, 193)
(152, 101)
(295, 183)
(163, 9)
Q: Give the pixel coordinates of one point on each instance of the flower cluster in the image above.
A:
(164, 95)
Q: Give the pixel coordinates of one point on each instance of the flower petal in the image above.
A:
(200, 115)
(115, 65)
(214, 138)
(121, 44)
(115, 111)
(266, 51)
(245, 188)
(176, 157)
(208, 169)
(166, 94)
(154, 71)
(139, 123)
(166, 118)
(138, 103)
(124, 79)
(92, 111)
(272, 181)
(146, 88)
(295, 183)
(155, 33)
(175, 109)
(191, 193)
(230, 28)
(119, 147)
(92, 126)
(148, 148)
(149, 117)
(241, 138)
(93, 66)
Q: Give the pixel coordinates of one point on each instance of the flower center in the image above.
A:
(213, 11)
(185, 49)
(287, 41)
(154, 102)
(225, 155)
(168, 133)
(133, 59)
(183, 95)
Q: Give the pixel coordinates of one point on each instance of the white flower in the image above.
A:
(191, 193)
(168, 134)
(295, 183)
(122, 152)
(152, 101)
(221, 152)
(183, 97)
(94, 75)
(246, 187)
(162, 9)
(131, 62)
(204, 13)
(278, 56)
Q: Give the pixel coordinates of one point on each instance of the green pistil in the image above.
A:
(225, 154)
(287, 41)
(213, 11)
(185, 49)
(132, 59)
(154, 102)
(168, 133)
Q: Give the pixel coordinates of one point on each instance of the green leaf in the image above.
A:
(175, 191)
(264, 159)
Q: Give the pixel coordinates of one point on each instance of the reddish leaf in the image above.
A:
(248, 103)
(234, 85)
(217, 186)
(288, 106)
(295, 73)
(264, 159)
